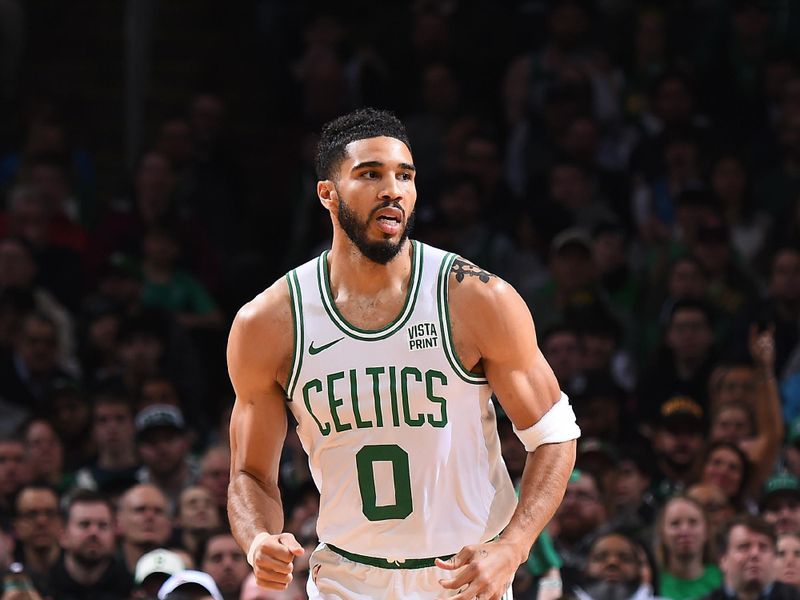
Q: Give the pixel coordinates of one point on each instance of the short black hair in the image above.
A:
(691, 304)
(85, 496)
(205, 540)
(754, 523)
(359, 124)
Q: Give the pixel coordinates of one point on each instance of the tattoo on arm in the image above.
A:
(462, 268)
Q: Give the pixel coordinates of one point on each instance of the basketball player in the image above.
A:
(388, 351)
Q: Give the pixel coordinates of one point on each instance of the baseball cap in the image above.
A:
(188, 577)
(597, 447)
(157, 561)
(780, 484)
(157, 416)
(681, 412)
(569, 239)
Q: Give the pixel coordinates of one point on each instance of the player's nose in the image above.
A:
(391, 189)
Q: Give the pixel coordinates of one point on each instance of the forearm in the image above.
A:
(769, 422)
(768, 404)
(542, 487)
(253, 507)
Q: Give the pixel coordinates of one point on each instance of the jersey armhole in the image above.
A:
(296, 301)
(442, 301)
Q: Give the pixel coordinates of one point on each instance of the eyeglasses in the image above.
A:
(581, 495)
(48, 513)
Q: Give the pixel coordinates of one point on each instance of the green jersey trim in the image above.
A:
(444, 321)
(374, 561)
(296, 298)
(367, 335)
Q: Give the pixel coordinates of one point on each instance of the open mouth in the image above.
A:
(389, 220)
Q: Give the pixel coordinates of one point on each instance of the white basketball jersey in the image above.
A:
(401, 438)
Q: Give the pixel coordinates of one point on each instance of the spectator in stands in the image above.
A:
(780, 503)
(727, 466)
(747, 561)
(684, 278)
(12, 473)
(678, 442)
(44, 455)
(561, 347)
(197, 516)
(38, 526)
(167, 287)
(614, 568)
(687, 569)
(152, 570)
(779, 310)
(19, 272)
(58, 244)
(683, 364)
(629, 496)
(755, 388)
(154, 204)
(748, 225)
(463, 227)
(29, 373)
(159, 389)
(72, 420)
(89, 568)
(223, 559)
(143, 521)
(164, 449)
(116, 464)
(716, 505)
(142, 350)
(787, 564)
(215, 473)
(574, 288)
(603, 349)
(575, 523)
(189, 585)
(731, 288)
(599, 408)
(151, 344)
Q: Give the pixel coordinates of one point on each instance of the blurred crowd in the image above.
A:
(632, 168)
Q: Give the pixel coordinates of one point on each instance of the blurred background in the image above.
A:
(632, 168)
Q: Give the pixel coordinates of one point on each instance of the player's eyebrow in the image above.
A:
(376, 163)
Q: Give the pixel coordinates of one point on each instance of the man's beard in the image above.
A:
(608, 590)
(89, 559)
(379, 252)
(680, 466)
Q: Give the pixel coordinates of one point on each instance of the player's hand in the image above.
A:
(482, 571)
(272, 562)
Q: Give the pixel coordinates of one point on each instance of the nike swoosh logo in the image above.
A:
(312, 350)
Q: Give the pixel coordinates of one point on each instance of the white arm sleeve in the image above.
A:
(557, 425)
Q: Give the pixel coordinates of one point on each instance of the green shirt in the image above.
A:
(689, 589)
(181, 294)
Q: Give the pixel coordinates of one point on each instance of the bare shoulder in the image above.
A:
(474, 288)
(484, 307)
(262, 335)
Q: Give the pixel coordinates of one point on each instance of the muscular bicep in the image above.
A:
(257, 433)
(505, 338)
(257, 351)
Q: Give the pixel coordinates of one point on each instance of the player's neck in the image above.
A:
(352, 272)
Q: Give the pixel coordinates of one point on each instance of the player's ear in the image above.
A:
(326, 192)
